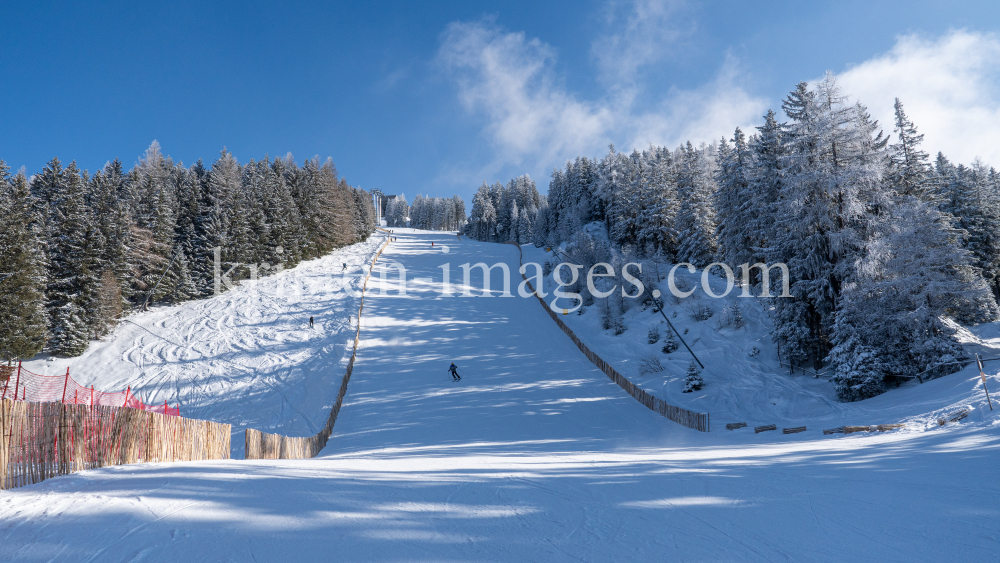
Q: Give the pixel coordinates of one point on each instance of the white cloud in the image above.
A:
(535, 123)
(509, 79)
(704, 114)
(642, 32)
(950, 88)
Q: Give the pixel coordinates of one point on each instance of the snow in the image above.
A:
(534, 456)
(758, 390)
(246, 357)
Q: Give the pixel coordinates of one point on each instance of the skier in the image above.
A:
(345, 268)
(454, 372)
(310, 322)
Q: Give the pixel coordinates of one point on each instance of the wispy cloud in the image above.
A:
(640, 33)
(949, 86)
(534, 122)
(704, 114)
(510, 80)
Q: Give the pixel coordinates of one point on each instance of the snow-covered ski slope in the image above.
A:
(246, 357)
(534, 456)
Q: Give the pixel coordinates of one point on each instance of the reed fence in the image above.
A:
(695, 420)
(262, 445)
(42, 440)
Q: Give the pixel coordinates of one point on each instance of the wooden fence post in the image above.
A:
(983, 376)
(17, 381)
(65, 384)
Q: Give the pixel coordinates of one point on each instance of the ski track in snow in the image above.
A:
(246, 357)
(534, 456)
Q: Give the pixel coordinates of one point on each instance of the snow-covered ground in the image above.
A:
(246, 357)
(756, 389)
(534, 456)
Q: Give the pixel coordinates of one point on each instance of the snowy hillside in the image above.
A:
(744, 380)
(246, 357)
(533, 456)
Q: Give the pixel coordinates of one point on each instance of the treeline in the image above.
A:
(79, 249)
(506, 213)
(437, 213)
(397, 212)
(884, 247)
(430, 213)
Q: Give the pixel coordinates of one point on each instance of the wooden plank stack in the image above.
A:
(873, 428)
(261, 445)
(953, 417)
(765, 428)
(42, 440)
(735, 425)
(696, 420)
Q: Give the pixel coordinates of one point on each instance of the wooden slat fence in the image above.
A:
(262, 445)
(43, 440)
(696, 420)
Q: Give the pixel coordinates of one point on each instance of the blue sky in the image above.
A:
(436, 98)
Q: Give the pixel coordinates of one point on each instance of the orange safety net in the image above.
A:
(23, 385)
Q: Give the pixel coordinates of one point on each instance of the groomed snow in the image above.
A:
(534, 456)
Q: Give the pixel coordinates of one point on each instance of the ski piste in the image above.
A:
(539, 457)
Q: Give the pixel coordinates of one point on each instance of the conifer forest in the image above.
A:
(80, 249)
(888, 249)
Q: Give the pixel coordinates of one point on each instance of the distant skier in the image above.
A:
(310, 322)
(454, 372)
(345, 268)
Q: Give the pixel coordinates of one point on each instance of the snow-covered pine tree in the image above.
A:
(109, 202)
(483, 218)
(657, 235)
(72, 245)
(399, 210)
(910, 172)
(364, 217)
(670, 344)
(890, 316)
(834, 169)
(653, 336)
(769, 157)
(693, 380)
(628, 179)
(696, 222)
(460, 220)
(735, 205)
(22, 270)
(969, 197)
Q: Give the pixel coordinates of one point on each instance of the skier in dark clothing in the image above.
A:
(310, 322)
(345, 267)
(454, 372)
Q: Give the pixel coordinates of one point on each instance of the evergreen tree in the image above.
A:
(72, 241)
(833, 173)
(968, 195)
(22, 270)
(734, 203)
(889, 320)
(696, 223)
(693, 380)
(910, 172)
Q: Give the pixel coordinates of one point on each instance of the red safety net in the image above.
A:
(23, 385)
